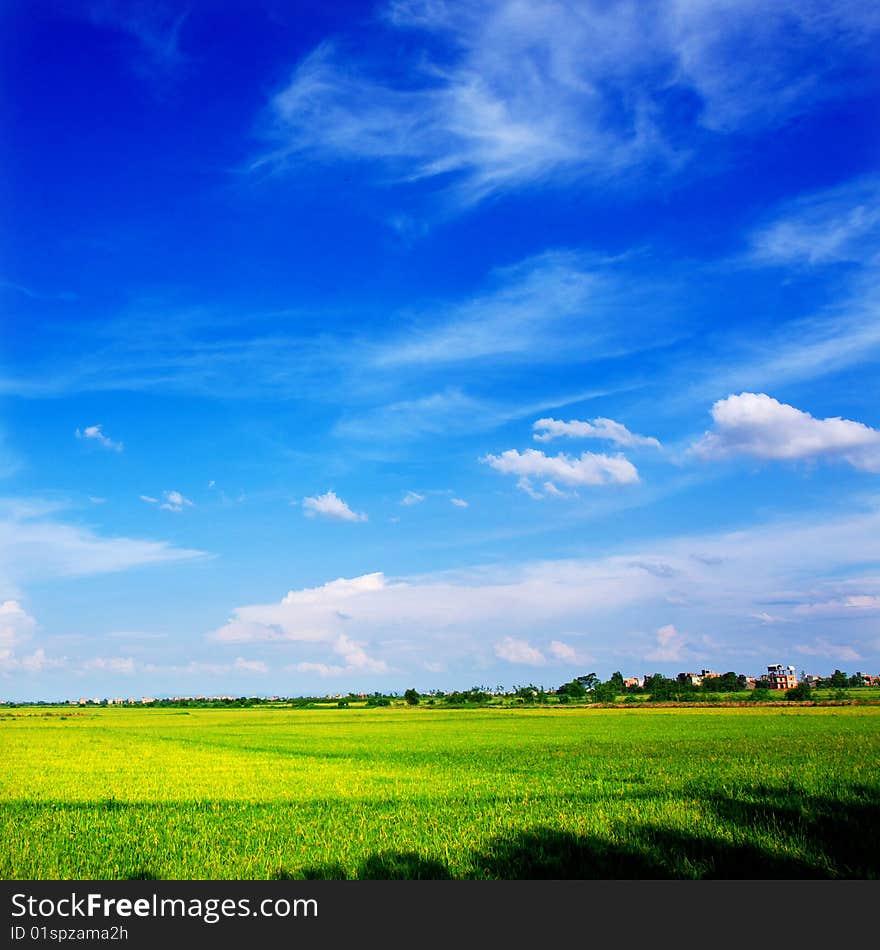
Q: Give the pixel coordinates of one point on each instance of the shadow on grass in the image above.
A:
(768, 832)
(791, 836)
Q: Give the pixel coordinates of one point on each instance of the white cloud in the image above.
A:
(459, 502)
(198, 667)
(38, 661)
(16, 625)
(562, 651)
(826, 227)
(242, 665)
(518, 651)
(608, 429)
(329, 505)
(671, 645)
(840, 606)
(756, 424)
(149, 499)
(716, 583)
(588, 469)
(34, 545)
(154, 27)
(828, 650)
(412, 498)
(356, 657)
(123, 665)
(544, 308)
(174, 501)
(524, 93)
(94, 433)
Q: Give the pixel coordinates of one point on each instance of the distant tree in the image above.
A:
(799, 693)
(603, 693)
(589, 681)
(575, 690)
(412, 697)
(855, 681)
(726, 683)
(662, 689)
(564, 700)
(527, 694)
(837, 680)
(617, 681)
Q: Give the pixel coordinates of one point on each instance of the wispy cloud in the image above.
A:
(330, 505)
(412, 498)
(757, 425)
(153, 25)
(557, 307)
(545, 308)
(840, 224)
(527, 93)
(36, 545)
(95, 433)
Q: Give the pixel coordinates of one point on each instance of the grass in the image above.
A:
(497, 793)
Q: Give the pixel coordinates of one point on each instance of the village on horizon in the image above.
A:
(778, 678)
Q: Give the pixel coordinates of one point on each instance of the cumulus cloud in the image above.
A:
(122, 665)
(518, 651)
(16, 625)
(329, 505)
(755, 424)
(174, 501)
(588, 469)
(562, 651)
(412, 498)
(670, 647)
(607, 429)
(459, 502)
(720, 583)
(95, 434)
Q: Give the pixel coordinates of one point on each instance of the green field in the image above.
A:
(494, 793)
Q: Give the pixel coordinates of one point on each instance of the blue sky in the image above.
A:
(352, 346)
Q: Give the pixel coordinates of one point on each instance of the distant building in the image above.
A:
(781, 677)
(630, 681)
(695, 679)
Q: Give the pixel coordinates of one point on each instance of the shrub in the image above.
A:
(799, 693)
